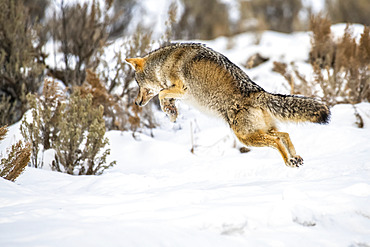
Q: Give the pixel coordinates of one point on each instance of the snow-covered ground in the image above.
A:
(161, 194)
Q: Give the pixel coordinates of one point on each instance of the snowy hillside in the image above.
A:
(160, 194)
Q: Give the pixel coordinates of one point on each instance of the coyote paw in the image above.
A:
(169, 107)
(171, 113)
(295, 161)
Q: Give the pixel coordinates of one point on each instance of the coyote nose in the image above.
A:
(138, 102)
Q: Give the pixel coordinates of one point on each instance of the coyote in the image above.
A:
(210, 81)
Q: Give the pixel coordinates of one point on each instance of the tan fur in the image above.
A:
(209, 81)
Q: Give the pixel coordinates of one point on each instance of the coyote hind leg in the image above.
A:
(254, 128)
(294, 159)
(279, 141)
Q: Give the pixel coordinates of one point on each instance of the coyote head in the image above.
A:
(147, 86)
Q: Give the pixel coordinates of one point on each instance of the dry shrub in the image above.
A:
(8, 109)
(255, 60)
(101, 96)
(277, 15)
(80, 144)
(17, 158)
(82, 30)
(292, 75)
(137, 44)
(282, 69)
(3, 131)
(341, 67)
(249, 22)
(356, 11)
(118, 77)
(21, 68)
(36, 9)
(73, 127)
(123, 13)
(170, 24)
(353, 59)
(204, 20)
(345, 76)
(43, 130)
(96, 88)
(323, 47)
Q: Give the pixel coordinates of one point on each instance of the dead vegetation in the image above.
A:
(118, 77)
(202, 20)
(21, 60)
(255, 60)
(277, 15)
(349, 11)
(16, 159)
(72, 126)
(43, 130)
(341, 67)
(82, 32)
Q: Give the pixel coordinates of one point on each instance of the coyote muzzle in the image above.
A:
(144, 96)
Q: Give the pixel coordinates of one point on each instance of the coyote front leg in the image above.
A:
(176, 91)
(168, 96)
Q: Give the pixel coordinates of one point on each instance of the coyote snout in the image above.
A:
(144, 96)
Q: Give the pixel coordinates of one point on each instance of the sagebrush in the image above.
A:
(16, 159)
(80, 144)
(349, 11)
(118, 78)
(277, 15)
(82, 32)
(71, 126)
(43, 130)
(21, 60)
(202, 20)
(340, 66)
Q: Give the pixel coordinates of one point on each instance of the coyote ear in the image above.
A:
(138, 63)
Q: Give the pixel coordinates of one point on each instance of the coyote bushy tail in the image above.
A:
(296, 108)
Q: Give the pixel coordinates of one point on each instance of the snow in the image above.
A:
(161, 194)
